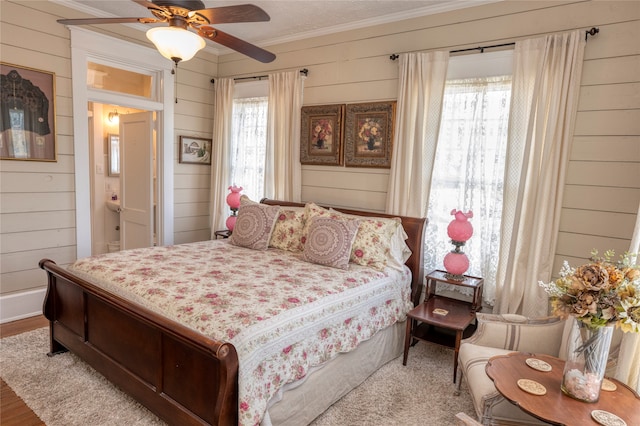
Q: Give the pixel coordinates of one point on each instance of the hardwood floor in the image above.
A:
(13, 410)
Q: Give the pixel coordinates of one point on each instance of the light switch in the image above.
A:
(99, 169)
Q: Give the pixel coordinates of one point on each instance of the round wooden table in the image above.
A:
(555, 407)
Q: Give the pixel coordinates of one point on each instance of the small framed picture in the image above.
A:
(27, 114)
(195, 150)
(369, 134)
(321, 135)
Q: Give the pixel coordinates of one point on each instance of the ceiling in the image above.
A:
(292, 19)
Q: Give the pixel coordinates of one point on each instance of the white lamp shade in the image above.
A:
(176, 43)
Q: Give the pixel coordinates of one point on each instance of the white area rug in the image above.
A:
(64, 391)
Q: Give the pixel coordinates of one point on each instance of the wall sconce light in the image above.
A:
(114, 117)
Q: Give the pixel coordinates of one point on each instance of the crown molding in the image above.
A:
(440, 7)
(436, 8)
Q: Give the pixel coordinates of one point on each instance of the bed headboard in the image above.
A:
(414, 227)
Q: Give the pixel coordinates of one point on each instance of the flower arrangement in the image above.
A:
(599, 293)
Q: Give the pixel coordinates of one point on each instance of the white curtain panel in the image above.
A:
(546, 83)
(628, 369)
(283, 172)
(220, 163)
(421, 87)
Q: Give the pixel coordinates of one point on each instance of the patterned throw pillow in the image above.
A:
(244, 200)
(372, 245)
(312, 210)
(254, 225)
(329, 241)
(287, 233)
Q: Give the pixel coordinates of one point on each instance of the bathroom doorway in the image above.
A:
(113, 73)
(124, 191)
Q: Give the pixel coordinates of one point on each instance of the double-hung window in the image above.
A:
(469, 164)
(249, 138)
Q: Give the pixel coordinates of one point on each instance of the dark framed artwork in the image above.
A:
(369, 134)
(321, 135)
(195, 150)
(27, 114)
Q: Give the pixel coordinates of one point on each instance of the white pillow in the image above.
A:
(400, 251)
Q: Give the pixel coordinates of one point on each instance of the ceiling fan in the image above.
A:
(176, 42)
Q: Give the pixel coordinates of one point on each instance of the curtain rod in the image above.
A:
(260, 77)
(593, 31)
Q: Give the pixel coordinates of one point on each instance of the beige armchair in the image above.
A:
(499, 335)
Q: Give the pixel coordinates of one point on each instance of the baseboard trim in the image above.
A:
(23, 305)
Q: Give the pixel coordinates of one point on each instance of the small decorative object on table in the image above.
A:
(459, 230)
(598, 294)
(233, 200)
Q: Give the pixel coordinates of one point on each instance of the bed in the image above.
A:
(176, 369)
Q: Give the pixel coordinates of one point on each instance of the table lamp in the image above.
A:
(459, 230)
(233, 200)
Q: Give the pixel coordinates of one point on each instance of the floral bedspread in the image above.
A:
(283, 315)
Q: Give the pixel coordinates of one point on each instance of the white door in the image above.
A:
(136, 180)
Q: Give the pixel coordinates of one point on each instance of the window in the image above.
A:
(248, 145)
(469, 170)
(100, 76)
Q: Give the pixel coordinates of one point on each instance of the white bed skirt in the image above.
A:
(301, 402)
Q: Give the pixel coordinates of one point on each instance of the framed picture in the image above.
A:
(195, 150)
(27, 114)
(321, 135)
(369, 134)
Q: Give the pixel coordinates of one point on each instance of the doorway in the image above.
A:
(89, 48)
(117, 223)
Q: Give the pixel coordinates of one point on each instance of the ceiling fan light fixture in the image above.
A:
(176, 43)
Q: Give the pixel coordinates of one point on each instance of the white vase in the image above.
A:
(586, 362)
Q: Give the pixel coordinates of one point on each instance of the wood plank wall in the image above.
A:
(602, 191)
(37, 199)
(192, 182)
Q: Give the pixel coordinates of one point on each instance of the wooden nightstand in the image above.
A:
(224, 233)
(426, 324)
(443, 320)
(476, 283)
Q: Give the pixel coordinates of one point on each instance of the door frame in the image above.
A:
(88, 46)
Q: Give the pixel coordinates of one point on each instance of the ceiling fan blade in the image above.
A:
(236, 44)
(146, 4)
(233, 14)
(87, 21)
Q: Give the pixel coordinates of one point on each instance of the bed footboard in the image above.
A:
(180, 375)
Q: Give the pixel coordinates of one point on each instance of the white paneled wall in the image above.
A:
(37, 211)
(194, 117)
(603, 183)
(37, 199)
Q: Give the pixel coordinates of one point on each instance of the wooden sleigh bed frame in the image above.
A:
(182, 376)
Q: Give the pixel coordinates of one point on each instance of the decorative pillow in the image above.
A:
(287, 232)
(244, 200)
(254, 225)
(372, 245)
(312, 210)
(400, 251)
(329, 241)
